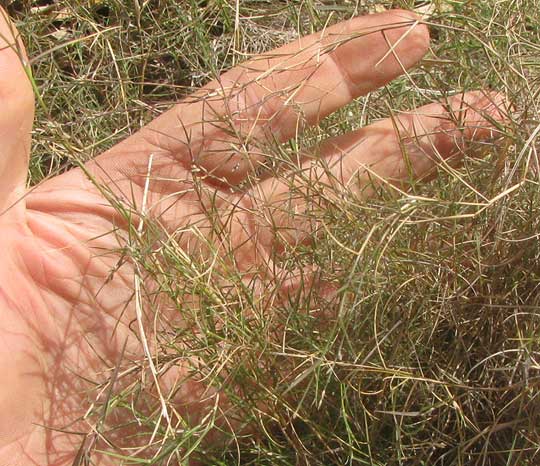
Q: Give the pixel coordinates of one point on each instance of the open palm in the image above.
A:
(69, 300)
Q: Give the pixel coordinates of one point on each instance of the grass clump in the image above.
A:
(429, 354)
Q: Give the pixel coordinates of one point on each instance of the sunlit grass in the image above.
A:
(429, 352)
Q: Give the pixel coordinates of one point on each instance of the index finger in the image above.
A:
(271, 97)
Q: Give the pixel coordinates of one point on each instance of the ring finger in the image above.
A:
(395, 152)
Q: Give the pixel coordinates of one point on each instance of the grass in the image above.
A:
(430, 352)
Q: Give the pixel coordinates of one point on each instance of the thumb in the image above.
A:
(16, 116)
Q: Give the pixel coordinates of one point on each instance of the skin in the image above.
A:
(64, 313)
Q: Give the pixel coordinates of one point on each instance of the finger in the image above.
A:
(411, 146)
(395, 152)
(270, 98)
(17, 104)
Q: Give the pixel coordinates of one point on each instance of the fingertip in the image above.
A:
(494, 104)
(17, 112)
(483, 98)
(408, 34)
(420, 30)
(15, 87)
(481, 112)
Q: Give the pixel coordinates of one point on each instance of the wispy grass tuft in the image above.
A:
(429, 354)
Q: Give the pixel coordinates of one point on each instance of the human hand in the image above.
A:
(71, 308)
